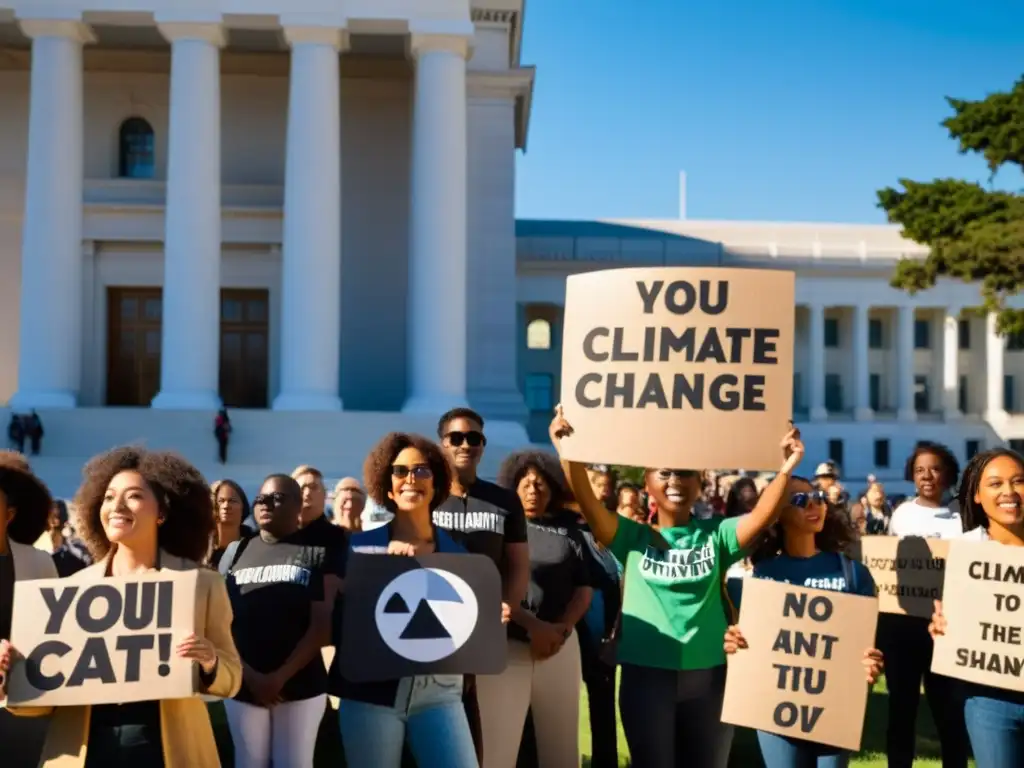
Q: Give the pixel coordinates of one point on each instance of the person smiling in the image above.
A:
(808, 547)
(411, 477)
(674, 610)
(991, 502)
(139, 511)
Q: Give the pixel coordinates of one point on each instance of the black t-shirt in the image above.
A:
(218, 553)
(484, 521)
(558, 567)
(6, 594)
(323, 533)
(70, 557)
(273, 586)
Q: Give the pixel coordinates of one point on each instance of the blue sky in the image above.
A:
(792, 110)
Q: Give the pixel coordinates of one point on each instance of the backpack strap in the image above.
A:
(231, 553)
(849, 573)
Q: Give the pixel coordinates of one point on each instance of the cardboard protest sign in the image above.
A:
(429, 615)
(802, 675)
(105, 642)
(908, 572)
(692, 357)
(983, 602)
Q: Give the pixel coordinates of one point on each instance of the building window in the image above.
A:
(882, 453)
(1015, 342)
(831, 332)
(973, 448)
(136, 149)
(538, 334)
(540, 391)
(1009, 401)
(875, 391)
(961, 395)
(1017, 445)
(835, 452)
(875, 340)
(922, 334)
(833, 392)
(921, 394)
(964, 332)
(798, 391)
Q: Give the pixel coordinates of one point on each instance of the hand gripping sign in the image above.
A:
(673, 353)
(104, 642)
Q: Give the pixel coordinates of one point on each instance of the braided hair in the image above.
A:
(972, 515)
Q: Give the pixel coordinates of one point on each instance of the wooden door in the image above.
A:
(244, 345)
(133, 345)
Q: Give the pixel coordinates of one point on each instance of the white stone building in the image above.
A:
(306, 210)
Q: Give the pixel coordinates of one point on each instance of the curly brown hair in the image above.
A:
(180, 489)
(29, 497)
(377, 469)
(516, 465)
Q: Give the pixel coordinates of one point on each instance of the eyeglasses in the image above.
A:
(270, 499)
(803, 500)
(682, 474)
(473, 439)
(418, 472)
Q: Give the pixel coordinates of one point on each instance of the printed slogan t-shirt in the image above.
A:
(273, 587)
(673, 616)
(821, 571)
(484, 521)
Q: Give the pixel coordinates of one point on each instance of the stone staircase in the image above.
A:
(262, 441)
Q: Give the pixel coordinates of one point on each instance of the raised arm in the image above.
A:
(770, 504)
(603, 523)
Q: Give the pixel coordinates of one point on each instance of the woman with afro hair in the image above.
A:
(24, 515)
(141, 511)
(544, 667)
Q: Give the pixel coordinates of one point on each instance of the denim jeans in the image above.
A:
(995, 724)
(428, 713)
(782, 752)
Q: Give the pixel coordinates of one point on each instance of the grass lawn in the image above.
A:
(745, 753)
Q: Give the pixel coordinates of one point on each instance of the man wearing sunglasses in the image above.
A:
(483, 517)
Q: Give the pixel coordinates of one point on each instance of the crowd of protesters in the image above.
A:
(600, 580)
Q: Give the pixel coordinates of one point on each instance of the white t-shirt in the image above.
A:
(978, 534)
(914, 519)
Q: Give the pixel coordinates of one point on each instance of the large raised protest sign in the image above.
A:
(983, 602)
(428, 615)
(908, 572)
(802, 675)
(105, 642)
(693, 357)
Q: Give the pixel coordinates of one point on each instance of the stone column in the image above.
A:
(816, 363)
(50, 328)
(437, 226)
(995, 346)
(905, 364)
(189, 369)
(311, 266)
(862, 409)
(950, 364)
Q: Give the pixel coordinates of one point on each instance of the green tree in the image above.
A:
(975, 234)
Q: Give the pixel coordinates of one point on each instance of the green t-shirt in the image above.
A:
(673, 616)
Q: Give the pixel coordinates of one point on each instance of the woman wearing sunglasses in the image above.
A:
(674, 610)
(410, 477)
(282, 588)
(808, 547)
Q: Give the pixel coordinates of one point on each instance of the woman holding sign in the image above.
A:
(807, 547)
(992, 509)
(410, 477)
(674, 609)
(142, 511)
